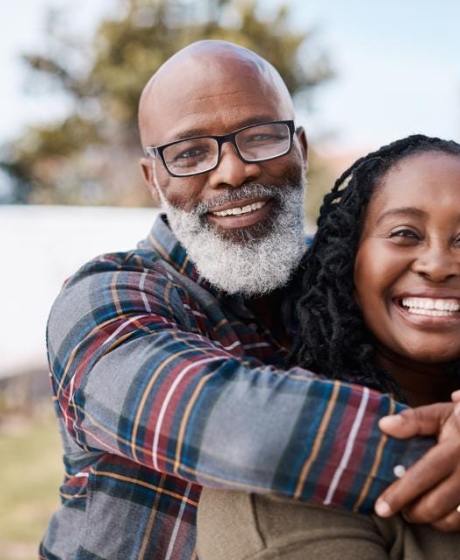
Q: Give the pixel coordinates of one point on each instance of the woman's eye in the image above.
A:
(402, 233)
(405, 235)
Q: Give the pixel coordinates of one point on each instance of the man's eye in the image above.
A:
(265, 138)
(189, 156)
(192, 153)
(260, 137)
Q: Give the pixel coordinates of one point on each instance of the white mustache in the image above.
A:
(242, 193)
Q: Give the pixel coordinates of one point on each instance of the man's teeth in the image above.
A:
(240, 210)
(432, 307)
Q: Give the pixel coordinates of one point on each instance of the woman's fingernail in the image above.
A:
(382, 508)
(393, 419)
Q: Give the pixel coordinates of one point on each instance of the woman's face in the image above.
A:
(407, 269)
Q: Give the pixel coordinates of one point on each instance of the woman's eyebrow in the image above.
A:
(403, 212)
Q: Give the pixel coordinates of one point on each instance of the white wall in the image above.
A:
(40, 246)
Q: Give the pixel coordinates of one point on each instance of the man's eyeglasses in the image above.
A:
(254, 143)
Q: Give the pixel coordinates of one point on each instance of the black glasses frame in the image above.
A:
(157, 151)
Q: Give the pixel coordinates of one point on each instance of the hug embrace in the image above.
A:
(221, 354)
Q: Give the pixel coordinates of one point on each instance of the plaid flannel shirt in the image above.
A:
(163, 384)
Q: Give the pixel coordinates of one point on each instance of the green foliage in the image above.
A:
(91, 155)
(31, 472)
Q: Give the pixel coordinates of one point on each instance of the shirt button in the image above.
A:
(253, 326)
(399, 471)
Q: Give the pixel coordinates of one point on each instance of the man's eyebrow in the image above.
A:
(194, 132)
(191, 133)
(403, 212)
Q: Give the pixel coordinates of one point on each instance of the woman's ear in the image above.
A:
(148, 176)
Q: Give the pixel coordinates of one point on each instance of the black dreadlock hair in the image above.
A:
(333, 339)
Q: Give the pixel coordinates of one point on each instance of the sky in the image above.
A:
(398, 68)
(397, 65)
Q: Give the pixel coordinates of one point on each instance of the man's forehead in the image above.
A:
(198, 99)
(211, 87)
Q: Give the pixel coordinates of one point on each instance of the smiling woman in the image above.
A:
(407, 274)
(380, 306)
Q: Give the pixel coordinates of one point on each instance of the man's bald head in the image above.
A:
(203, 64)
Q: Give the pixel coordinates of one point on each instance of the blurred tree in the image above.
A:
(90, 156)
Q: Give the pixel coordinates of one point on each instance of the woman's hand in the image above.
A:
(429, 491)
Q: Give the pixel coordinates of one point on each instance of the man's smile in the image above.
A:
(237, 210)
(240, 214)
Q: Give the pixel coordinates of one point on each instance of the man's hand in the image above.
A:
(429, 492)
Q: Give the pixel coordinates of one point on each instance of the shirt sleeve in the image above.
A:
(132, 377)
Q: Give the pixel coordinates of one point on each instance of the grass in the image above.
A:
(30, 473)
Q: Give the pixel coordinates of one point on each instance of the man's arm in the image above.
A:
(134, 377)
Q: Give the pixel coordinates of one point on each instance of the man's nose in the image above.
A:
(231, 170)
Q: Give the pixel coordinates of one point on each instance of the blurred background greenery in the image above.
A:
(30, 473)
(90, 156)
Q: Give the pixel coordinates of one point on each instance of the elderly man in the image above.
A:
(168, 361)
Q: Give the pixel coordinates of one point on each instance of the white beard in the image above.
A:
(262, 259)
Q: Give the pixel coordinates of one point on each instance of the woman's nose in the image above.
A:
(438, 263)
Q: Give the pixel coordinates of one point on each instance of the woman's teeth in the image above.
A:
(240, 210)
(432, 307)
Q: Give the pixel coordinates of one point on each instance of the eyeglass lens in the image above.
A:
(254, 143)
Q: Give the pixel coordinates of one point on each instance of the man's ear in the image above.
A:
(302, 137)
(149, 180)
